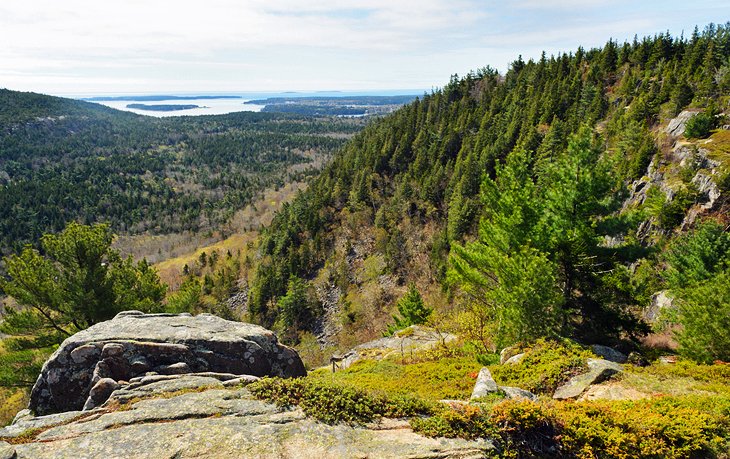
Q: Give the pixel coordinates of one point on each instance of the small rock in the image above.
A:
(140, 365)
(7, 451)
(179, 368)
(668, 359)
(517, 393)
(660, 301)
(515, 359)
(129, 313)
(100, 393)
(608, 353)
(485, 384)
(507, 353)
(22, 414)
(85, 353)
(243, 380)
(599, 370)
(112, 350)
(612, 392)
(637, 359)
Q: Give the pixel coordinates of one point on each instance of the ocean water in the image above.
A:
(222, 106)
(207, 106)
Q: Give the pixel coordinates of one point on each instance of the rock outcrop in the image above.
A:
(410, 340)
(599, 370)
(193, 417)
(92, 363)
(677, 125)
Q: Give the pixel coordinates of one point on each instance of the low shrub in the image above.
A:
(463, 421)
(333, 403)
(446, 377)
(546, 365)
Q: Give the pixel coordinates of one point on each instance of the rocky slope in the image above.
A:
(192, 416)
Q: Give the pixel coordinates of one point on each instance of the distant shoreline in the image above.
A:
(153, 98)
(163, 107)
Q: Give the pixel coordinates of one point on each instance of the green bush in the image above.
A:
(333, 403)
(667, 427)
(445, 377)
(546, 365)
(700, 125)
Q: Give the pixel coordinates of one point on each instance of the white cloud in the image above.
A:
(70, 45)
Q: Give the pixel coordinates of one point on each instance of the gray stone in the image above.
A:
(204, 343)
(242, 381)
(515, 359)
(223, 423)
(660, 301)
(485, 384)
(156, 387)
(7, 451)
(140, 365)
(518, 394)
(85, 353)
(410, 340)
(100, 393)
(599, 370)
(677, 125)
(508, 352)
(41, 422)
(174, 369)
(609, 353)
(22, 414)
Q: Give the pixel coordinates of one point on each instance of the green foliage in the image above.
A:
(420, 169)
(700, 125)
(334, 403)
(412, 310)
(546, 365)
(188, 298)
(665, 427)
(698, 274)
(447, 378)
(463, 421)
(78, 281)
(63, 160)
(511, 281)
(704, 313)
(296, 307)
(20, 366)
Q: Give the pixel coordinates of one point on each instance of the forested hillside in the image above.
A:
(64, 160)
(550, 158)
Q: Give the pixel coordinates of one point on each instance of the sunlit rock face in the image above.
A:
(134, 344)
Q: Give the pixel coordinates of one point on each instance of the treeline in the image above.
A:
(63, 160)
(427, 165)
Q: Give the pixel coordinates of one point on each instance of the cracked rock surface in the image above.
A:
(133, 345)
(216, 422)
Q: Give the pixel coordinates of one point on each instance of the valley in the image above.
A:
(523, 263)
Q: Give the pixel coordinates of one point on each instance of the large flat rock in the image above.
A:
(599, 370)
(224, 423)
(134, 344)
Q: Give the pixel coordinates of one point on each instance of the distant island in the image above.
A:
(333, 105)
(163, 107)
(154, 98)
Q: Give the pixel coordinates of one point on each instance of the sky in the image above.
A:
(85, 47)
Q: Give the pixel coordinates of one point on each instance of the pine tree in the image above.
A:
(412, 310)
(509, 283)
